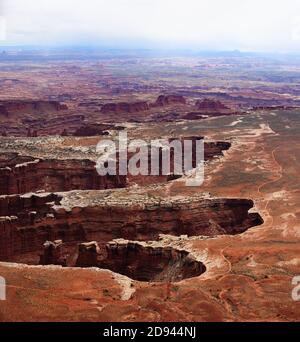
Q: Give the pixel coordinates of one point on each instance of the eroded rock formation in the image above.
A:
(137, 260)
(88, 254)
(28, 106)
(125, 107)
(28, 221)
(56, 125)
(22, 174)
(167, 100)
(18, 216)
(26, 174)
(41, 124)
(146, 263)
(142, 106)
(52, 254)
(209, 104)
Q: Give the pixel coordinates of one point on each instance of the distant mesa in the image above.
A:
(27, 106)
(125, 107)
(167, 100)
(211, 107)
(142, 106)
(207, 108)
(210, 104)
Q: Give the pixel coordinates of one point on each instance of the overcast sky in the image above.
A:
(257, 25)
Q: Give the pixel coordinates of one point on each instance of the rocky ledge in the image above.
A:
(79, 216)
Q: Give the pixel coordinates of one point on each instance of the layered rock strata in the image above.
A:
(21, 174)
(26, 174)
(167, 100)
(28, 221)
(125, 107)
(141, 261)
(11, 107)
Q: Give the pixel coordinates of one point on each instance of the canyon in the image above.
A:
(76, 246)
(25, 174)
(29, 221)
(37, 212)
(21, 174)
(127, 258)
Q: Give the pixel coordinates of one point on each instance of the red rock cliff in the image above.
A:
(28, 221)
(125, 107)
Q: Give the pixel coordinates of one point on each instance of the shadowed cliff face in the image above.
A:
(23, 174)
(28, 221)
(141, 262)
(124, 107)
(150, 263)
(136, 260)
(26, 174)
